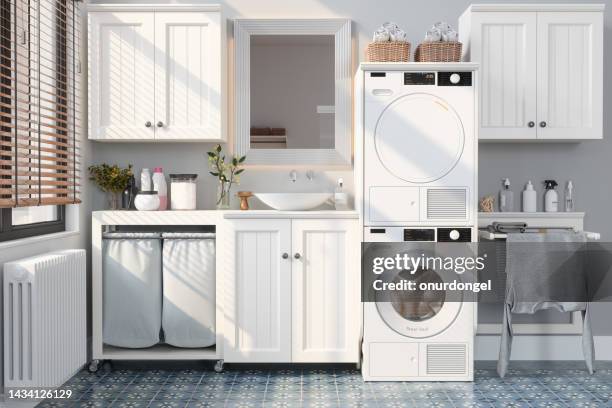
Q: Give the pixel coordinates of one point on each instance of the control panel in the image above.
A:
(454, 79)
(454, 235)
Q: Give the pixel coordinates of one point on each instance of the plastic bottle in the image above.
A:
(340, 197)
(159, 185)
(506, 197)
(551, 198)
(145, 180)
(529, 198)
(569, 197)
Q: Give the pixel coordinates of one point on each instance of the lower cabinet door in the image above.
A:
(257, 284)
(326, 279)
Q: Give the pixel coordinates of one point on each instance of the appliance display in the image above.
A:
(420, 145)
(419, 336)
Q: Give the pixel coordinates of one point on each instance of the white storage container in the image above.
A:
(188, 318)
(132, 289)
(183, 191)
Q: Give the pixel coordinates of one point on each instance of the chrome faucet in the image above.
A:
(293, 176)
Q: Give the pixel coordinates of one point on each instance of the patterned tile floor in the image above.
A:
(335, 386)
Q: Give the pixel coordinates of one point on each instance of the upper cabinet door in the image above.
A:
(505, 46)
(257, 281)
(188, 76)
(325, 286)
(570, 75)
(121, 75)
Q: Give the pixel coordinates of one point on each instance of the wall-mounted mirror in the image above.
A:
(293, 91)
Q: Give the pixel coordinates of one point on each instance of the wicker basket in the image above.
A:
(438, 52)
(388, 51)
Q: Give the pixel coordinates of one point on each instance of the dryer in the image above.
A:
(420, 144)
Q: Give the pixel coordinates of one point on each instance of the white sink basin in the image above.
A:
(293, 201)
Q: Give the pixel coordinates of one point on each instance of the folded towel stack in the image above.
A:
(389, 32)
(441, 31)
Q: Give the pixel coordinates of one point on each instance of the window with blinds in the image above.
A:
(39, 149)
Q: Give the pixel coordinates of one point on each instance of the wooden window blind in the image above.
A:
(39, 90)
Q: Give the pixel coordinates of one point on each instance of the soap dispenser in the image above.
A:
(529, 198)
(340, 197)
(551, 198)
(506, 197)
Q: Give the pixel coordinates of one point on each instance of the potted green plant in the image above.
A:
(112, 180)
(227, 174)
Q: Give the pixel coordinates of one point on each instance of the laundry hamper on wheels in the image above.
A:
(188, 318)
(132, 301)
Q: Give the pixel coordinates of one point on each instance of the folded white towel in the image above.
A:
(389, 31)
(450, 35)
(443, 26)
(398, 35)
(381, 35)
(390, 26)
(433, 35)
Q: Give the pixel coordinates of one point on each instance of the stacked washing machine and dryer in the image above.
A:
(419, 163)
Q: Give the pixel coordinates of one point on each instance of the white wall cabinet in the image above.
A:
(155, 73)
(541, 70)
(292, 291)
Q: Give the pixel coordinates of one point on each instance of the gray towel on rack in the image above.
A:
(544, 271)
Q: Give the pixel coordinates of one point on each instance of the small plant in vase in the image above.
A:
(227, 173)
(112, 180)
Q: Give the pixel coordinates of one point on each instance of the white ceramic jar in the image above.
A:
(147, 201)
(183, 191)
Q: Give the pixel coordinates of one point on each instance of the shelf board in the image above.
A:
(159, 352)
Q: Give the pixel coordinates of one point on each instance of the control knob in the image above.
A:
(454, 235)
(455, 78)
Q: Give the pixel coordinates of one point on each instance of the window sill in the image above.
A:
(38, 238)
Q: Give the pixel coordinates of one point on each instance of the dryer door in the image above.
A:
(419, 138)
(420, 313)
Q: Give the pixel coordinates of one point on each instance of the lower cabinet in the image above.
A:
(292, 291)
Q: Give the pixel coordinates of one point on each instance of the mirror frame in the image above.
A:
(341, 154)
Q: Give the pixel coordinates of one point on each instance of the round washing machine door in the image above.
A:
(419, 138)
(420, 313)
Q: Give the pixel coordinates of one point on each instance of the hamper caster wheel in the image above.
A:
(219, 366)
(94, 366)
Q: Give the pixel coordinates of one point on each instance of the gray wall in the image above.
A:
(587, 163)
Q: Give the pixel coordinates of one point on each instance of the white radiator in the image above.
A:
(45, 329)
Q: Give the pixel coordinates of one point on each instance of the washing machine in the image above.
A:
(419, 335)
(419, 144)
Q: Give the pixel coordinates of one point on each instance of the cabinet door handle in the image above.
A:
(531, 124)
(542, 124)
(285, 255)
(148, 124)
(297, 255)
(160, 124)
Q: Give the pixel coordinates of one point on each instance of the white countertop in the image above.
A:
(201, 217)
(290, 214)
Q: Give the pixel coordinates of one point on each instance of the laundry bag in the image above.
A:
(188, 312)
(132, 289)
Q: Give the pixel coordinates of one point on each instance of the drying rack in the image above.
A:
(534, 222)
(492, 235)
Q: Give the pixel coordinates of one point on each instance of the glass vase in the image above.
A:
(113, 200)
(223, 196)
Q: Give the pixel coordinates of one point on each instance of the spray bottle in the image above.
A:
(551, 198)
(506, 197)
